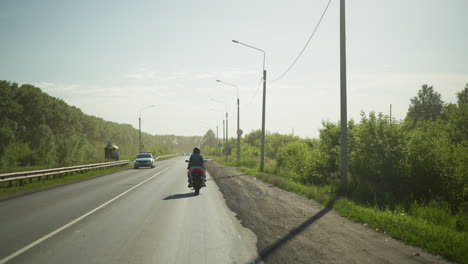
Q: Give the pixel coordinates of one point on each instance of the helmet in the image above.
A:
(196, 150)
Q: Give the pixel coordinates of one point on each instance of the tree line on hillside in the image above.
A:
(40, 130)
(422, 158)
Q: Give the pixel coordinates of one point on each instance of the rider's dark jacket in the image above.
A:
(196, 160)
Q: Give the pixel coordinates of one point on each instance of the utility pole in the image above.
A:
(139, 133)
(262, 157)
(225, 126)
(227, 138)
(344, 118)
(139, 126)
(239, 133)
(390, 113)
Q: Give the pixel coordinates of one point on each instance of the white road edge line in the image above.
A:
(51, 234)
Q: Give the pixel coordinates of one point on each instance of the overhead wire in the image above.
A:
(256, 91)
(305, 46)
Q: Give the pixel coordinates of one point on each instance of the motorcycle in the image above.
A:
(197, 177)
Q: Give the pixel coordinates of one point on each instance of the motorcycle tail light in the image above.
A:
(197, 173)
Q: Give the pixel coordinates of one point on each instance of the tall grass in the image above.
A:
(413, 228)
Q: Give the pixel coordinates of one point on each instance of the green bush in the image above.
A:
(375, 158)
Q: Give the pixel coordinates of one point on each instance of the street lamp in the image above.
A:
(262, 157)
(239, 132)
(217, 137)
(226, 141)
(139, 125)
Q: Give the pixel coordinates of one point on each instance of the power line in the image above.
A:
(258, 88)
(307, 43)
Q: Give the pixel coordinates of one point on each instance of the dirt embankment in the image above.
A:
(292, 229)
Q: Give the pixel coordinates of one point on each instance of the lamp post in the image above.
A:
(217, 128)
(139, 126)
(224, 134)
(227, 137)
(262, 156)
(239, 132)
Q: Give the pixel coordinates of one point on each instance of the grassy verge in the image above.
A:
(37, 185)
(427, 226)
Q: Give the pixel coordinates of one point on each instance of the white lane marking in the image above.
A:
(51, 234)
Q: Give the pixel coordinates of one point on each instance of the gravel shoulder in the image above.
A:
(293, 229)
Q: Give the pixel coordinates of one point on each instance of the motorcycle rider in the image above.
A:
(196, 160)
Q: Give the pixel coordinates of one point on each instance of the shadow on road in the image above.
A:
(264, 254)
(180, 196)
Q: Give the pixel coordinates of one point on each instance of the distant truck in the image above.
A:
(111, 151)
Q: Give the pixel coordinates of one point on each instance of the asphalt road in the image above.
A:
(133, 216)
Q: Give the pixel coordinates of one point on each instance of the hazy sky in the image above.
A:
(112, 58)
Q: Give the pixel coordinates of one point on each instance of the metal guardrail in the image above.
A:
(60, 172)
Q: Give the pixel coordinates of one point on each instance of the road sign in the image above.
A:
(239, 132)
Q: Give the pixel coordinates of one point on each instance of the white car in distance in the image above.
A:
(144, 159)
